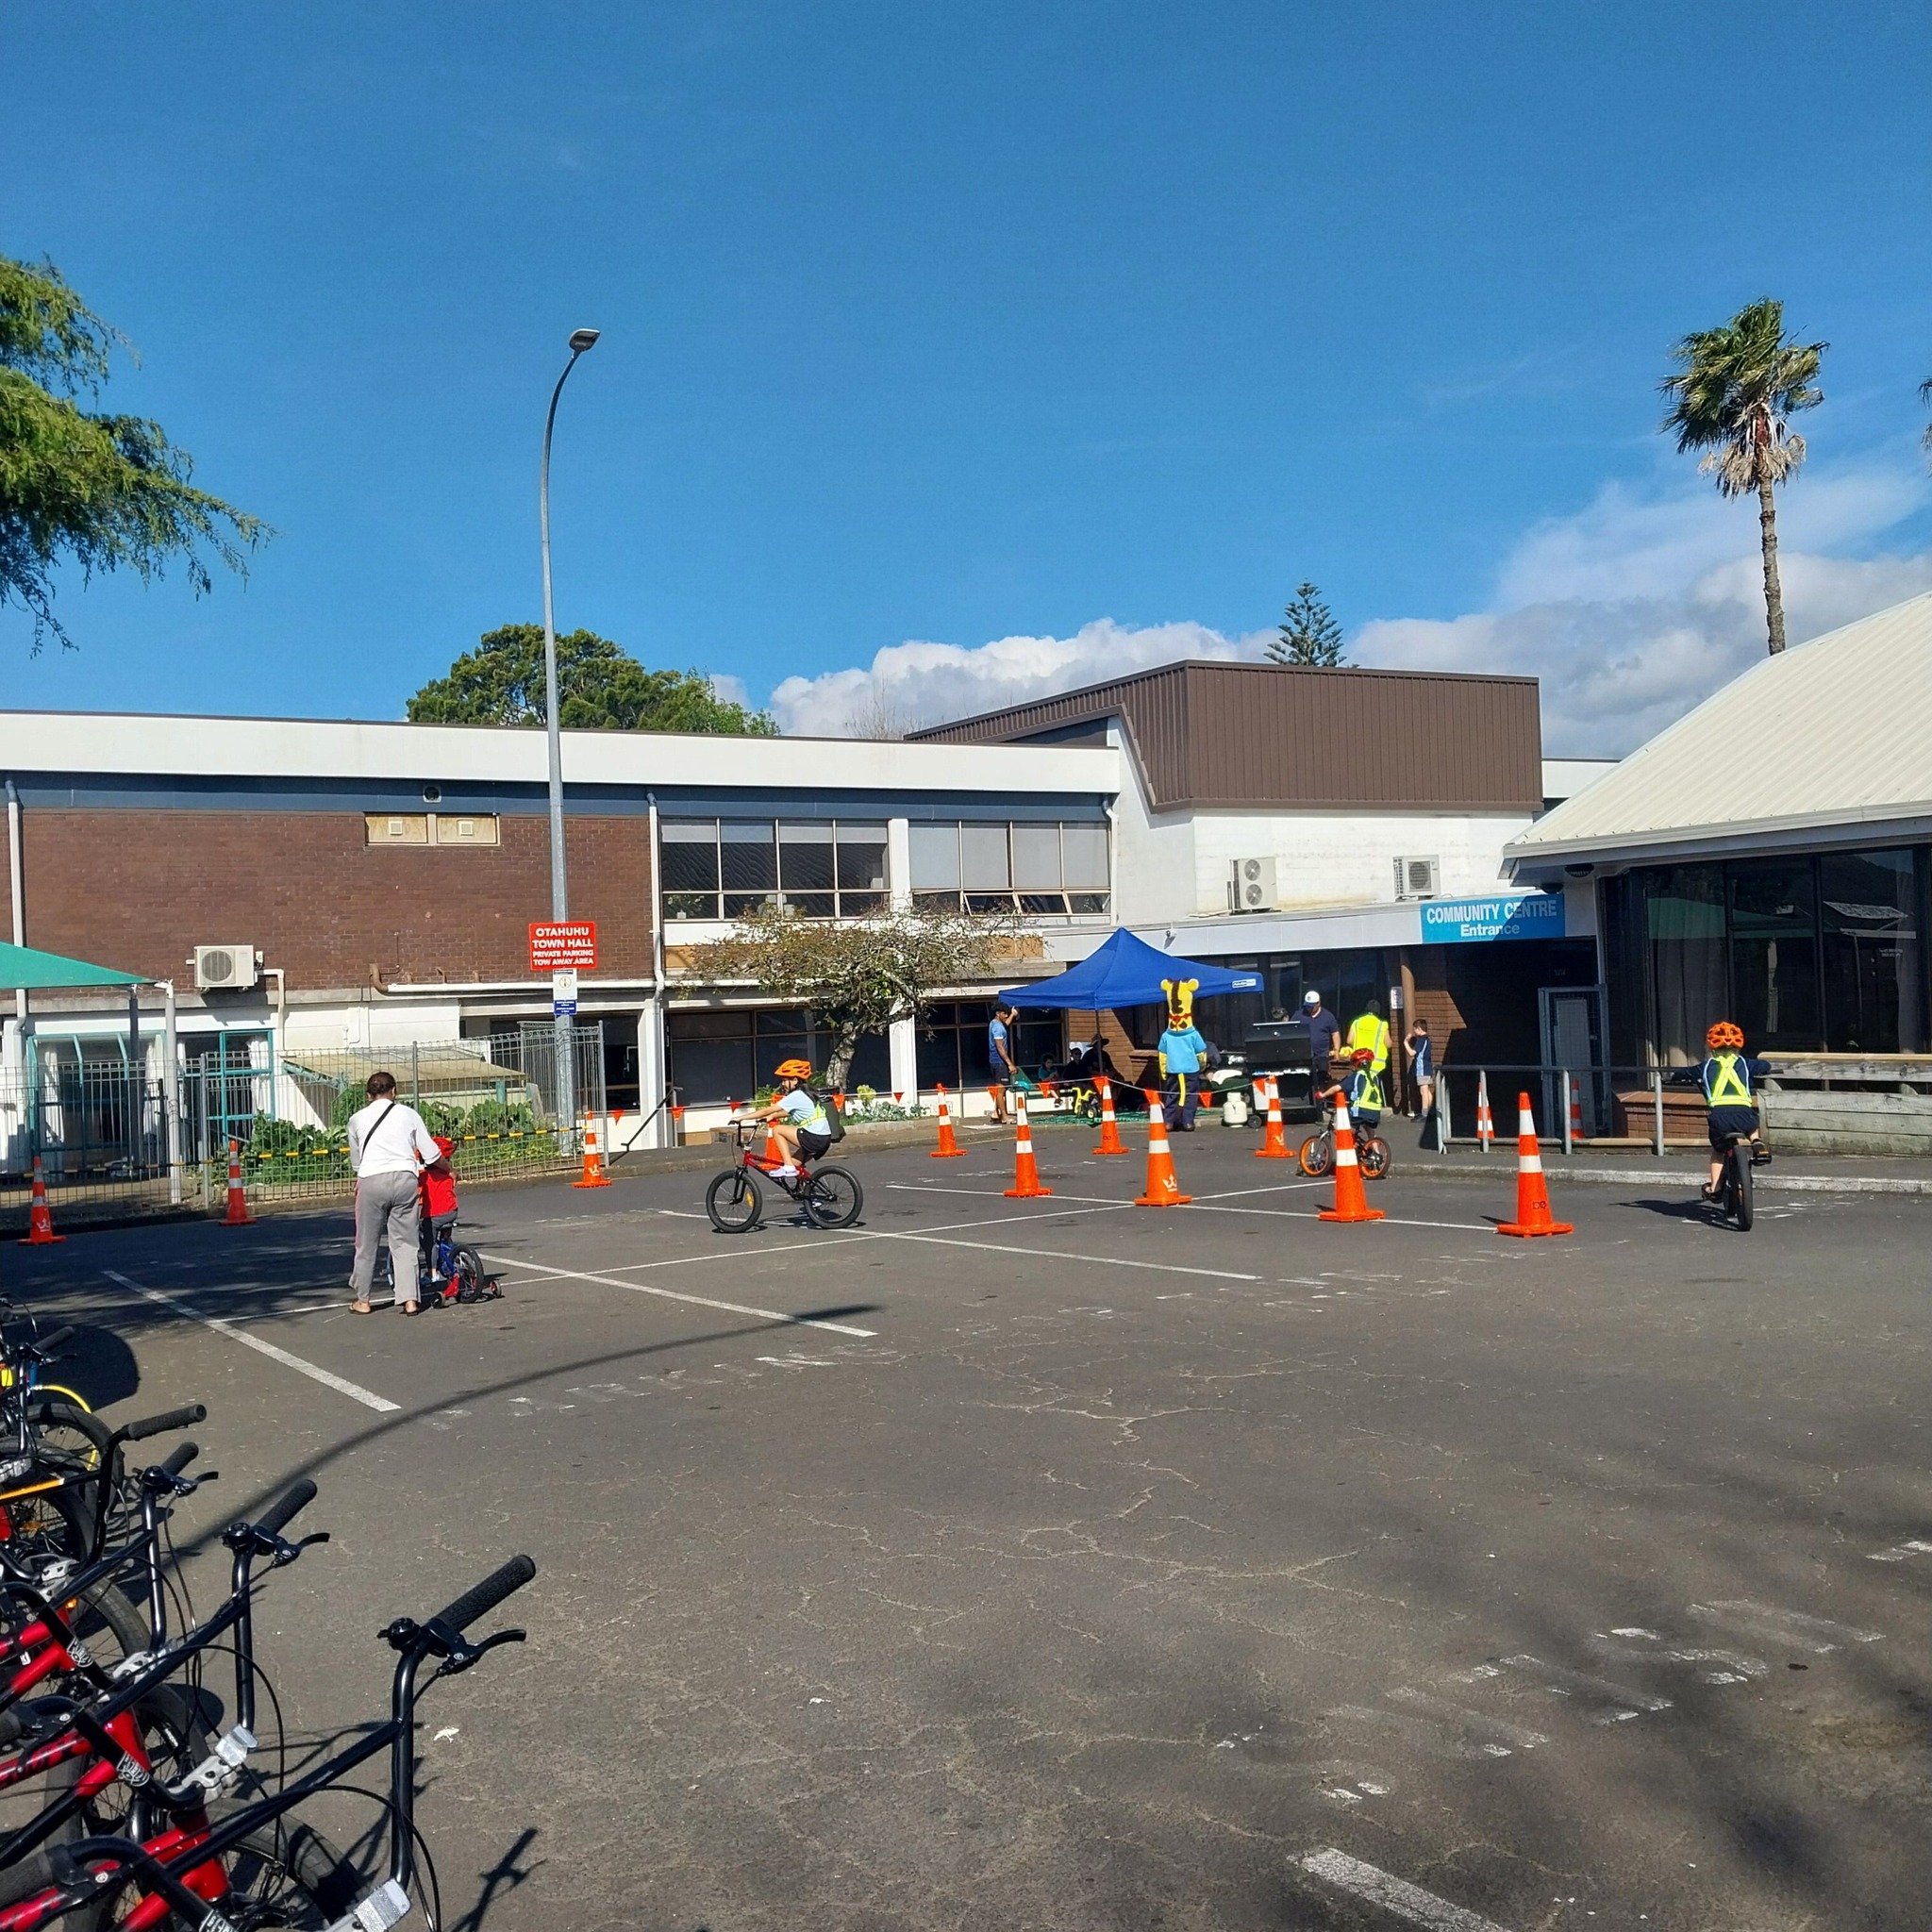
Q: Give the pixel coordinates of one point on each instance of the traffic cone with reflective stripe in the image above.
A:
(39, 1220)
(1110, 1142)
(677, 1126)
(1532, 1192)
(1351, 1203)
(1575, 1109)
(948, 1149)
(1275, 1146)
(1025, 1169)
(593, 1175)
(238, 1215)
(1485, 1126)
(1163, 1185)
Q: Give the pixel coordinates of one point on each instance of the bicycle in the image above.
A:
(830, 1196)
(1318, 1154)
(447, 1270)
(1733, 1198)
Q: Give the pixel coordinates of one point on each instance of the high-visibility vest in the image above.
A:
(1368, 1031)
(1366, 1091)
(1727, 1081)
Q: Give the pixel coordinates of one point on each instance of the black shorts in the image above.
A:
(1727, 1121)
(813, 1146)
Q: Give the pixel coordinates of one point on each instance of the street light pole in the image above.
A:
(580, 340)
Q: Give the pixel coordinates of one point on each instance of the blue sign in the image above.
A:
(1527, 916)
(562, 1009)
(1247, 982)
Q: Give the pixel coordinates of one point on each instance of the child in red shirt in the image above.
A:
(436, 1190)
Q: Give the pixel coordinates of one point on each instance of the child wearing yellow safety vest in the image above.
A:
(1725, 1078)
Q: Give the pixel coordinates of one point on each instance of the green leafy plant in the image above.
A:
(1309, 633)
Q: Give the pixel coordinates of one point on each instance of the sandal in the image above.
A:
(360, 1308)
(412, 1307)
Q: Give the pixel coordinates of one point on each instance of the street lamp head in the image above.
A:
(582, 338)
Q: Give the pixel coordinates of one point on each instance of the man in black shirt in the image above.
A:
(1324, 1029)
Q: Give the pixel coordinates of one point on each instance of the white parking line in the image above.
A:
(1056, 1255)
(1817, 1634)
(1917, 1547)
(367, 1397)
(1392, 1894)
(698, 1300)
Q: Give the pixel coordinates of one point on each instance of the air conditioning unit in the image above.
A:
(225, 968)
(1254, 885)
(1418, 878)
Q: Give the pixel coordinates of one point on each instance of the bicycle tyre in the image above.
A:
(470, 1276)
(1376, 1157)
(1316, 1156)
(50, 1522)
(289, 1874)
(834, 1197)
(733, 1202)
(1743, 1206)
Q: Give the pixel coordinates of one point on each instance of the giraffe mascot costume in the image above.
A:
(1183, 1056)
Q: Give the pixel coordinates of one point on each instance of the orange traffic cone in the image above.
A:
(677, 1126)
(948, 1148)
(1110, 1142)
(1163, 1184)
(593, 1175)
(1351, 1203)
(1575, 1109)
(1485, 1126)
(238, 1215)
(1532, 1192)
(1025, 1170)
(39, 1220)
(1275, 1146)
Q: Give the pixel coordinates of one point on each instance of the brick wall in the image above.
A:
(140, 890)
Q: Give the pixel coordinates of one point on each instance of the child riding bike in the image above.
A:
(1725, 1078)
(797, 1119)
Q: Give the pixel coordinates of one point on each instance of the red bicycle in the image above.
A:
(830, 1196)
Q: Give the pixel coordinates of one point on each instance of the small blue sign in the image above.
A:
(562, 1009)
(1459, 922)
(1247, 982)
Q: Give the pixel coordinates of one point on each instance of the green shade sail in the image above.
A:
(43, 972)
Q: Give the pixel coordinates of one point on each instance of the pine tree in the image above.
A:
(1310, 634)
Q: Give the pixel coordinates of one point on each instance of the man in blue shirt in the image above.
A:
(1325, 1032)
(999, 1060)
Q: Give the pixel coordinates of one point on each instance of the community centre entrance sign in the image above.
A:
(1527, 916)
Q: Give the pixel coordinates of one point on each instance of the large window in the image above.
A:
(722, 1057)
(724, 869)
(1806, 954)
(1037, 867)
(953, 1047)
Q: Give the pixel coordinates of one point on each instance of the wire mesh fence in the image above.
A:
(99, 1130)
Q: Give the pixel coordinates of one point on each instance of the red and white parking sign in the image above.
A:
(553, 946)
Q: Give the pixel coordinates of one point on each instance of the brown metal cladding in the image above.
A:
(1235, 735)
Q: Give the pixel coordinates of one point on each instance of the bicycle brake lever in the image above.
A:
(461, 1660)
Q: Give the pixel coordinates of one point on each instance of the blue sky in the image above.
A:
(1082, 332)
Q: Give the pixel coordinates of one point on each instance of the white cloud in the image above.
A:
(914, 683)
(729, 690)
(1630, 611)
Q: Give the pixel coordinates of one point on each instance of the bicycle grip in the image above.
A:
(485, 1597)
(162, 1425)
(184, 1454)
(286, 1508)
(55, 1340)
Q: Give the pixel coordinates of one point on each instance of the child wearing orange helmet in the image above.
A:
(797, 1119)
(1725, 1078)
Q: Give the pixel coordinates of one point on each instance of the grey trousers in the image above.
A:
(386, 1200)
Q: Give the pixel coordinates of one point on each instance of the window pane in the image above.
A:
(708, 1072)
(934, 855)
(939, 1060)
(862, 858)
(1083, 850)
(689, 854)
(989, 902)
(1089, 902)
(872, 1065)
(690, 905)
(1870, 953)
(804, 859)
(749, 861)
(786, 1019)
(1683, 928)
(811, 904)
(936, 902)
(983, 858)
(1773, 954)
(1043, 902)
(860, 904)
(1036, 859)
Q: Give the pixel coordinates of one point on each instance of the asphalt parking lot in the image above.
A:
(1060, 1563)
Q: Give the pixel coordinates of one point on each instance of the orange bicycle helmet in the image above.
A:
(1725, 1034)
(794, 1070)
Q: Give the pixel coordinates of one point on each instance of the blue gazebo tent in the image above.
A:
(1126, 971)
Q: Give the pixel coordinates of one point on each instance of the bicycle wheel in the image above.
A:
(1374, 1158)
(833, 1198)
(46, 1522)
(286, 1874)
(1743, 1206)
(1317, 1156)
(733, 1202)
(470, 1276)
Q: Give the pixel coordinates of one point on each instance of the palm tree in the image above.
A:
(1925, 397)
(1738, 387)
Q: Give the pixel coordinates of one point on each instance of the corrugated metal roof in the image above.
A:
(1215, 734)
(1835, 732)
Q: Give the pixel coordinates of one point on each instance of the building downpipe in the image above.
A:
(16, 876)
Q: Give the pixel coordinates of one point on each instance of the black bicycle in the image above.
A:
(1733, 1197)
(830, 1196)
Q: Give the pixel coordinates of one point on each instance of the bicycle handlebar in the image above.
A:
(286, 1508)
(484, 1598)
(40, 1344)
(183, 1455)
(164, 1423)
